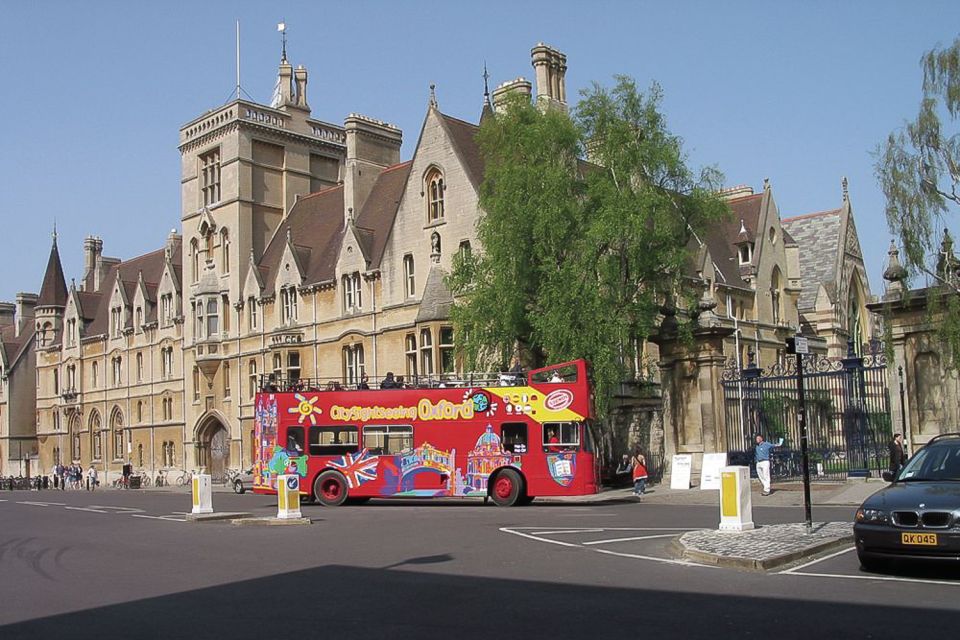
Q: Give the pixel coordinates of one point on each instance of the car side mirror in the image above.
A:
(887, 476)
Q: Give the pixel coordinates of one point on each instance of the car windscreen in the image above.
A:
(939, 462)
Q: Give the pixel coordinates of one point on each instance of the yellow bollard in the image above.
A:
(202, 494)
(288, 497)
(736, 503)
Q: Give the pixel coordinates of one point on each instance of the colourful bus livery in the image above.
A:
(510, 440)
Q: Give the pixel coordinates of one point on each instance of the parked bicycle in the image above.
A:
(178, 477)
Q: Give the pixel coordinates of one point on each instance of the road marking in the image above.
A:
(35, 504)
(560, 531)
(532, 537)
(874, 577)
(813, 562)
(662, 535)
(86, 509)
(167, 518)
(116, 509)
(683, 563)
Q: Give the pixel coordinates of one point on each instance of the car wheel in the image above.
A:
(238, 487)
(330, 489)
(873, 565)
(506, 489)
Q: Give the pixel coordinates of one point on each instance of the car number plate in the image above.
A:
(928, 539)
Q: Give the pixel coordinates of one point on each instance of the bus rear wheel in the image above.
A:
(330, 489)
(507, 488)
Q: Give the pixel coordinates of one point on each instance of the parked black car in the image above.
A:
(917, 517)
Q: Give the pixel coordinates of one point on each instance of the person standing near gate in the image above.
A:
(762, 455)
(897, 457)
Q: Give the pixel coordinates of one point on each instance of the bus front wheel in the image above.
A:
(330, 489)
(507, 488)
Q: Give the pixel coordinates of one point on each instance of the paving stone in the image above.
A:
(765, 547)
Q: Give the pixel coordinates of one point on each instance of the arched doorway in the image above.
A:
(214, 449)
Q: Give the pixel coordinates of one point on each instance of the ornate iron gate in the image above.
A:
(848, 414)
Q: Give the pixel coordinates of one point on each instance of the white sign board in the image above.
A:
(802, 346)
(680, 471)
(710, 474)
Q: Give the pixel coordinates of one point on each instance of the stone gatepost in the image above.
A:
(693, 406)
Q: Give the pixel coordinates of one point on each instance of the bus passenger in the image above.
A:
(389, 382)
(552, 436)
(556, 377)
(363, 384)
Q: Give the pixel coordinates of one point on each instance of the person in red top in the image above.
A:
(639, 473)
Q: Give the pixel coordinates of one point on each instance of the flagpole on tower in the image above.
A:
(238, 58)
(282, 28)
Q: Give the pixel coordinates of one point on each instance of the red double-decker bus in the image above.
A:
(510, 438)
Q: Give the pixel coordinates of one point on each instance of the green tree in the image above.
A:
(918, 168)
(578, 257)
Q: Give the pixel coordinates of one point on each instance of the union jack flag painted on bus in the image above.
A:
(357, 467)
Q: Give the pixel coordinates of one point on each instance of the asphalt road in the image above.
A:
(126, 564)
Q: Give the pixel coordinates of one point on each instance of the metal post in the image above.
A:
(903, 412)
(802, 418)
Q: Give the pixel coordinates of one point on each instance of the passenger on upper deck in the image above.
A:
(389, 382)
(363, 384)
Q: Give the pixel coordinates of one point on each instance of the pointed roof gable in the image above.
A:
(53, 292)
(463, 135)
(722, 237)
(315, 225)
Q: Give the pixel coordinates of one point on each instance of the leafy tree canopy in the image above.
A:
(919, 171)
(578, 256)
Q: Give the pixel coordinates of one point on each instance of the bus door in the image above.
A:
(514, 437)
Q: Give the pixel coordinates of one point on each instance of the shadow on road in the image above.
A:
(399, 603)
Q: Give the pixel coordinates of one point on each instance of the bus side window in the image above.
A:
(561, 435)
(333, 441)
(295, 441)
(388, 440)
(514, 437)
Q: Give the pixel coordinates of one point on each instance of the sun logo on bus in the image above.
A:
(306, 409)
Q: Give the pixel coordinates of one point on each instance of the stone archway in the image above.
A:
(213, 451)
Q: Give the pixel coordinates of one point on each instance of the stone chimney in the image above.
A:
(7, 311)
(26, 302)
(518, 87)
(173, 238)
(92, 249)
(550, 66)
(300, 78)
(285, 80)
(372, 146)
(739, 191)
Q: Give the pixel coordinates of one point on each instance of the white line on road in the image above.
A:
(613, 540)
(86, 509)
(116, 509)
(34, 504)
(167, 518)
(683, 563)
(813, 562)
(532, 537)
(575, 529)
(881, 578)
(559, 531)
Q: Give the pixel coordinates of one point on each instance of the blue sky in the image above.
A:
(94, 93)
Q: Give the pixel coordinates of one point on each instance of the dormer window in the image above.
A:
(288, 305)
(435, 188)
(116, 321)
(352, 296)
(252, 312)
(166, 308)
(409, 276)
(746, 253)
(139, 315)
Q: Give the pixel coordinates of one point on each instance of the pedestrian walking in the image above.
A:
(897, 456)
(639, 473)
(92, 480)
(762, 455)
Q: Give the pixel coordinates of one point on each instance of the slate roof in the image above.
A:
(380, 210)
(722, 236)
(463, 134)
(437, 300)
(94, 307)
(53, 292)
(316, 231)
(12, 344)
(818, 235)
